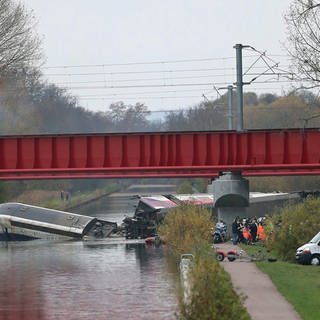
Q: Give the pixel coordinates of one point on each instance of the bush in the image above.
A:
(293, 226)
(188, 229)
(212, 294)
(184, 225)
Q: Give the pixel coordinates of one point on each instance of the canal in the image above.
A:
(105, 279)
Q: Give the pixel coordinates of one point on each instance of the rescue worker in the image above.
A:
(235, 233)
(261, 233)
(246, 234)
(254, 229)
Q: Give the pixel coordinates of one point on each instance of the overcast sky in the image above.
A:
(91, 39)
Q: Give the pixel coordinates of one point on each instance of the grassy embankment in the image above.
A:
(299, 284)
(187, 229)
(51, 198)
(289, 228)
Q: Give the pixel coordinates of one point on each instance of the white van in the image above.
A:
(309, 253)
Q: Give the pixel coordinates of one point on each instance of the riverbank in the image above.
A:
(52, 198)
(55, 200)
(187, 229)
(263, 301)
(299, 284)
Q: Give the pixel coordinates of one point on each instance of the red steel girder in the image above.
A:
(172, 154)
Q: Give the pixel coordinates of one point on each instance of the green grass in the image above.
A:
(299, 284)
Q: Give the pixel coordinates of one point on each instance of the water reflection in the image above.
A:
(112, 208)
(105, 279)
(77, 280)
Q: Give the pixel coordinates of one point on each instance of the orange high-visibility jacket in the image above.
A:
(246, 233)
(261, 234)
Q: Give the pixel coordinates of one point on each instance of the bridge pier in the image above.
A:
(231, 196)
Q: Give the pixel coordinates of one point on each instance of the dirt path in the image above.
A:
(263, 301)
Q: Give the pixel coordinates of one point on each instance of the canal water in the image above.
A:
(105, 279)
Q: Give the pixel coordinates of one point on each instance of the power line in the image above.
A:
(135, 63)
(89, 96)
(141, 86)
(134, 94)
(168, 85)
(140, 98)
(141, 79)
(146, 92)
(159, 79)
(164, 85)
(137, 72)
(112, 73)
(144, 62)
(168, 77)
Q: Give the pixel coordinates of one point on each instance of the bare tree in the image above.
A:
(303, 26)
(19, 43)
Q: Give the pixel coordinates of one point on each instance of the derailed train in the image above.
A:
(151, 210)
(26, 222)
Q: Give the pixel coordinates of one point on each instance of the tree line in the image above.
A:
(31, 105)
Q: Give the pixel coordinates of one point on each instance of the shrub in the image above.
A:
(184, 225)
(188, 229)
(212, 294)
(293, 226)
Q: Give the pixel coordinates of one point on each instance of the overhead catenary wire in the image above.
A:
(167, 85)
(171, 71)
(168, 80)
(167, 77)
(173, 61)
(112, 73)
(134, 94)
(161, 79)
(144, 97)
(209, 85)
(136, 63)
(147, 92)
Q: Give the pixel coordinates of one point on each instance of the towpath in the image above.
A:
(262, 299)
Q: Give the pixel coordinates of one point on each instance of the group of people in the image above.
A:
(64, 195)
(247, 231)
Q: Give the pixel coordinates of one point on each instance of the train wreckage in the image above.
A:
(151, 210)
(20, 222)
(25, 222)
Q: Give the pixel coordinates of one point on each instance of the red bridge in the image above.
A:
(173, 154)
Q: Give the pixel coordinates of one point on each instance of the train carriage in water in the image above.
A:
(26, 222)
(151, 210)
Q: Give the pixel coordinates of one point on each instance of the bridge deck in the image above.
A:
(173, 154)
